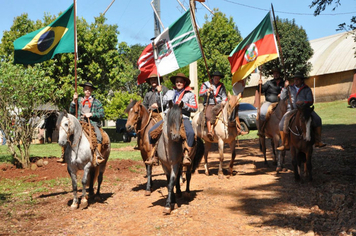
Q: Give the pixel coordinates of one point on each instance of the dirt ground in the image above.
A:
(254, 201)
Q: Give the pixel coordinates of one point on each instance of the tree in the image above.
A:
(218, 37)
(22, 90)
(296, 49)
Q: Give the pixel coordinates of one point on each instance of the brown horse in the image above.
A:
(141, 120)
(271, 130)
(301, 141)
(225, 131)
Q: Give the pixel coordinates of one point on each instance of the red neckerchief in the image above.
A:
(86, 100)
(182, 94)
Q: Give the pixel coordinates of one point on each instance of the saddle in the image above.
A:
(288, 119)
(91, 135)
(270, 110)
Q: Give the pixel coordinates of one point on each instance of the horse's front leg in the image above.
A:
(206, 152)
(293, 153)
(171, 199)
(221, 158)
(73, 176)
(263, 148)
(84, 199)
(149, 180)
(233, 155)
(309, 164)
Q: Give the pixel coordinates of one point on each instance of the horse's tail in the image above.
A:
(198, 154)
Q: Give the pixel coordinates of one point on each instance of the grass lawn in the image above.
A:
(332, 113)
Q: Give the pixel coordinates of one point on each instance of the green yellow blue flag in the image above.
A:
(45, 43)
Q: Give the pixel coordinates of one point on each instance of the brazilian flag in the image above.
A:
(43, 44)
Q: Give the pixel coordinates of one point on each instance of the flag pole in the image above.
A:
(158, 77)
(75, 52)
(198, 36)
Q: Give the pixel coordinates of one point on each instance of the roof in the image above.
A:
(334, 53)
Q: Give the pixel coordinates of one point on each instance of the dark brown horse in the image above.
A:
(141, 120)
(271, 130)
(301, 142)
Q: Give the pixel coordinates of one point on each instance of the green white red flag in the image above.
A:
(259, 47)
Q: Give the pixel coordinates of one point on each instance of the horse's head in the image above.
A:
(134, 115)
(174, 120)
(65, 127)
(305, 121)
(232, 106)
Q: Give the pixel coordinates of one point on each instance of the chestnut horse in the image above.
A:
(141, 121)
(301, 141)
(225, 131)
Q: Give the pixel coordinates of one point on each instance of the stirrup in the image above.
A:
(282, 148)
(187, 161)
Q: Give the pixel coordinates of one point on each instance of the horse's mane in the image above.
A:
(131, 104)
(60, 117)
(174, 115)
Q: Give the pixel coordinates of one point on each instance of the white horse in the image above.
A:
(225, 131)
(78, 156)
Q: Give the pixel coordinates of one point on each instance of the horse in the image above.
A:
(301, 141)
(78, 156)
(170, 153)
(141, 121)
(271, 130)
(225, 131)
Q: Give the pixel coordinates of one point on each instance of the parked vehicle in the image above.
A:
(247, 116)
(120, 128)
(352, 100)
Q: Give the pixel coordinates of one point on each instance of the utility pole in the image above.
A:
(193, 67)
(157, 7)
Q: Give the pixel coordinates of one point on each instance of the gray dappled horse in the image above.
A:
(170, 153)
(225, 131)
(78, 156)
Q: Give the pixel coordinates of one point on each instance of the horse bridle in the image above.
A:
(69, 134)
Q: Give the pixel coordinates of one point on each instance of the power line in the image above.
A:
(290, 13)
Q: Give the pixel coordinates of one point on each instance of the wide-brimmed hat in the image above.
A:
(276, 69)
(218, 73)
(181, 75)
(87, 84)
(298, 75)
(153, 75)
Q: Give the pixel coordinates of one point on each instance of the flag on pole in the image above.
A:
(259, 47)
(43, 44)
(177, 46)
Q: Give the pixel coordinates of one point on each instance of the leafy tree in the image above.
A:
(296, 49)
(22, 90)
(116, 106)
(218, 37)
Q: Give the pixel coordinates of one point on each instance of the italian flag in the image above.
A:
(177, 46)
(257, 48)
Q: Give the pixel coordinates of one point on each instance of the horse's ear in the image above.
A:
(65, 113)
(139, 102)
(170, 104)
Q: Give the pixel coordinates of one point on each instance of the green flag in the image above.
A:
(43, 44)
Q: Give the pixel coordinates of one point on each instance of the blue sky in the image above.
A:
(135, 17)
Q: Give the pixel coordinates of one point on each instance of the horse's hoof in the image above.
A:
(84, 203)
(175, 206)
(284, 169)
(147, 193)
(186, 196)
(278, 169)
(74, 206)
(167, 210)
(207, 173)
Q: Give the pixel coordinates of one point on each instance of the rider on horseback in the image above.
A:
(92, 109)
(301, 95)
(152, 99)
(271, 89)
(181, 93)
(214, 93)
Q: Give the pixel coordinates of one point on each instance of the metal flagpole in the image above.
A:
(75, 52)
(158, 77)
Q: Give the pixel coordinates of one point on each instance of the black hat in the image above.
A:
(298, 75)
(218, 73)
(87, 84)
(181, 75)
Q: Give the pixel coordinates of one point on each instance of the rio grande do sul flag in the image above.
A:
(43, 44)
(257, 48)
(177, 46)
(146, 64)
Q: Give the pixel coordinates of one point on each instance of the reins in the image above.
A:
(69, 134)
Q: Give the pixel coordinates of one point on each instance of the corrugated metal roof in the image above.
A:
(335, 53)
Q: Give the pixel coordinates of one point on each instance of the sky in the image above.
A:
(135, 17)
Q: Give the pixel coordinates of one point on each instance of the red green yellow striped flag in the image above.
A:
(257, 48)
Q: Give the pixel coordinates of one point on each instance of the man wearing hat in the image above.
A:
(181, 93)
(271, 89)
(214, 93)
(301, 95)
(89, 108)
(152, 99)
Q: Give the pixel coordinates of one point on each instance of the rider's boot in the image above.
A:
(285, 141)
(318, 142)
(61, 159)
(210, 133)
(152, 158)
(98, 159)
(186, 158)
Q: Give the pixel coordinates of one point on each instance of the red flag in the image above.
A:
(146, 64)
